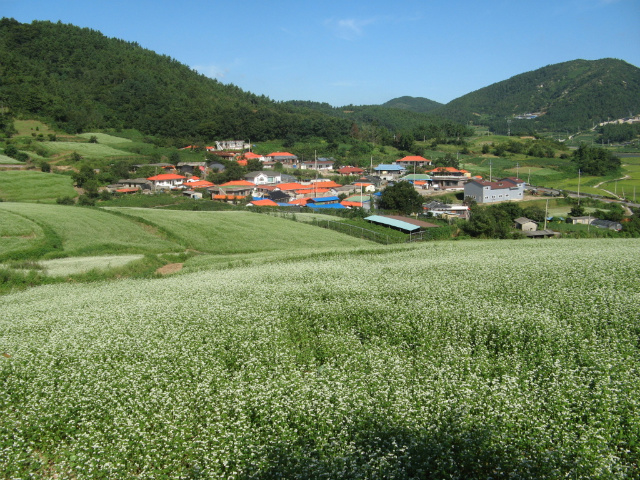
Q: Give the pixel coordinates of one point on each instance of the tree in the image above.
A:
(401, 197)
(577, 211)
(595, 160)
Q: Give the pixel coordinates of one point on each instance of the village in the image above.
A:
(357, 187)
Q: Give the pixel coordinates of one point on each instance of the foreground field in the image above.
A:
(521, 363)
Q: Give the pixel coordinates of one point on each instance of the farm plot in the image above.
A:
(17, 233)
(87, 150)
(522, 364)
(31, 186)
(106, 139)
(236, 232)
(77, 231)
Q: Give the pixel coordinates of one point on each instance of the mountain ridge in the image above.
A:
(80, 79)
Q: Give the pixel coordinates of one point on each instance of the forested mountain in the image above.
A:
(413, 104)
(571, 95)
(79, 79)
(392, 118)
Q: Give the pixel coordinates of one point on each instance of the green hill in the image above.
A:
(82, 80)
(413, 104)
(571, 95)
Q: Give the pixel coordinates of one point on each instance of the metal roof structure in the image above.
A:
(325, 205)
(326, 199)
(392, 222)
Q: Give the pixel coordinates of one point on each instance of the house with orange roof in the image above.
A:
(324, 184)
(289, 186)
(413, 161)
(167, 180)
(238, 183)
(262, 203)
(448, 178)
(198, 184)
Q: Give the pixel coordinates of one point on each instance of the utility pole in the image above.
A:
(578, 187)
(546, 214)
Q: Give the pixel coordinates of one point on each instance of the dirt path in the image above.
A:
(170, 268)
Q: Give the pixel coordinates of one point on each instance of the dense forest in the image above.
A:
(80, 80)
(414, 104)
(572, 95)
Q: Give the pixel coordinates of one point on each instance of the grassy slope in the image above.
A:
(32, 186)
(224, 233)
(86, 231)
(45, 231)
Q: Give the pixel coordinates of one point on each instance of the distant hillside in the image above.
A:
(413, 104)
(571, 95)
(80, 80)
(394, 119)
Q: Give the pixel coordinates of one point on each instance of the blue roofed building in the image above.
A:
(389, 171)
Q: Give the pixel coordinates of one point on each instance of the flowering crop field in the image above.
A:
(474, 359)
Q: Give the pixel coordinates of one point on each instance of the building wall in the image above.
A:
(486, 194)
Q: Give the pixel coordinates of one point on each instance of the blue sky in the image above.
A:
(358, 51)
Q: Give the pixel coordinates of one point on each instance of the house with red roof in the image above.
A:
(350, 171)
(167, 180)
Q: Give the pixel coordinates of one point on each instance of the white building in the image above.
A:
(505, 189)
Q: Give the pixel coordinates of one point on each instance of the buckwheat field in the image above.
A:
(474, 359)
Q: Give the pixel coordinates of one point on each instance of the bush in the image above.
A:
(86, 201)
(65, 201)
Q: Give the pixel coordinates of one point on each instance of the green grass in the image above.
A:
(34, 186)
(234, 232)
(105, 138)
(77, 231)
(28, 127)
(9, 161)
(86, 150)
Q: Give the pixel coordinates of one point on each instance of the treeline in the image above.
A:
(595, 161)
(623, 132)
